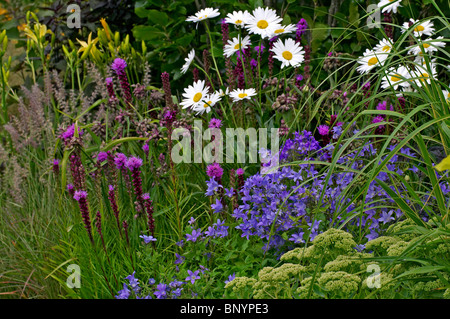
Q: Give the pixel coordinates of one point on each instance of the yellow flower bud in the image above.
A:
(117, 38)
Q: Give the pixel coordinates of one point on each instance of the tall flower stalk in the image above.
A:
(134, 164)
(119, 66)
(81, 197)
(114, 207)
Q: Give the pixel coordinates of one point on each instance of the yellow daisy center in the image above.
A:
(448, 95)
(287, 55)
(262, 24)
(386, 48)
(419, 28)
(426, 45)
(279, 31)
(197, 97)
(238, 21)
(242, 95)
(372, 61)
(395, 78)
(424, 76)
(237, 46)
(207, 104)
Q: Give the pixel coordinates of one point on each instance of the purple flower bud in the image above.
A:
(102, 156)
(323, 130)
(214, 170)
(215, 123)
(133, 163)
(79, 195)
(119, 65)
(120, 160)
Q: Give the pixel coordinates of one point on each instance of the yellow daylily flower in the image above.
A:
(90, 46)
(85, 45)
(443, 165)
(21, 27)
(40, 30)
(106, 27)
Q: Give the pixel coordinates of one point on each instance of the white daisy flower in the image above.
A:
(385, 46)
(208, 101)
(203, 14)
(283, 30)
(429, 46)
(389, 5)
(236, 44)
(222, 93)
(239, 94)
(423, 28)
(238, 18)
(446, 95)
(421, 75)
(290, 53)
(188, 62)
(396, 77)
(263, 22)
(370, 60)
(419, 59)
(194, 94)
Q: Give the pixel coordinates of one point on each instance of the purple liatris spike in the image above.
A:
(102, 156)
(225, 32)
(120, 160)
(149, 209)
(215, 123)
(146, 149)
(110, 87)
(81, 197)
(195, 74)
(69, 133)
(388, 29)
(125, 229)
(206, 65)
(323, 130)
(77, 171)
(134, 164)
(307, 62)
(240, 175)
(166, 87)
(71, 190)
(113, 203)
(302, 25)
(56, 167)
(98, 223)
(119, 66)
(271, 54)
(298, 79)
(214, 170)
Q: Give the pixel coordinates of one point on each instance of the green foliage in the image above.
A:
(412, 270)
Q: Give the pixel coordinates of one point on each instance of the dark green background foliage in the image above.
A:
(336, 25)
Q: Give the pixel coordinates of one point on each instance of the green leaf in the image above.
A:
(256, 3)
(64, 170)
(185, 40)
(158, 17)
(146, 32)
(401, 204)
(421, 270)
